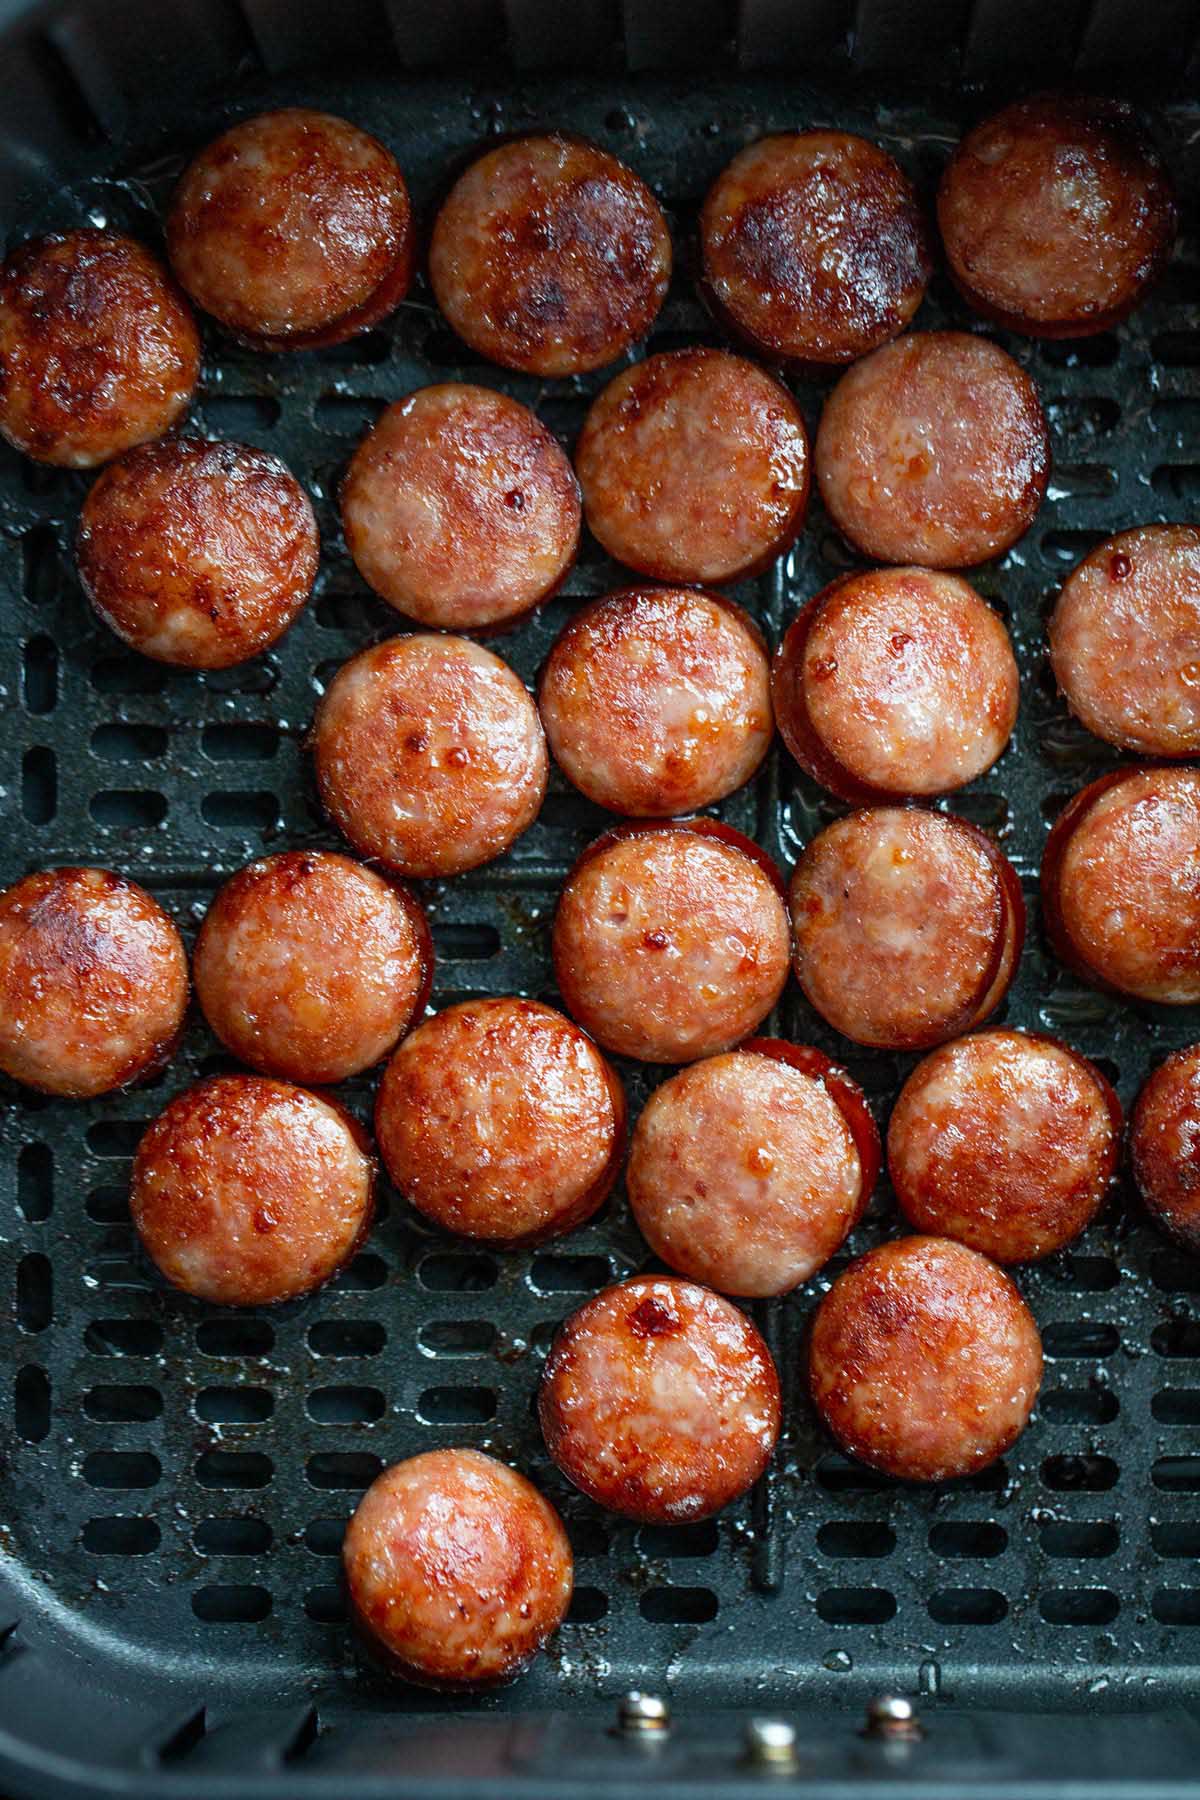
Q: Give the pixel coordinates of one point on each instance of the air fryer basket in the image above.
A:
(174, 1479)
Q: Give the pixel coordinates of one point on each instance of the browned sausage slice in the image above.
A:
(1121, 884)
(671, 941)
(934, 450)
(98, 348)
(814, 246)
(550, 255)
(694, 467)
(1164, 1143)
(93, 982)
(461, 508)
(895, 682)
(248, 1191)
(924, 1360)
(657, 701)
(660, 1400)
(748, 1171)
(310, 966)
(1056, 214)
(907, 925)
(457, 1570)
(293, 229)
(1006, 1141)
(500, 1120)
(429, 754)
(1125, 640)
(198, 553)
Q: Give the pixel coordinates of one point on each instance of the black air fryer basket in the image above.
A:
(174, 1479)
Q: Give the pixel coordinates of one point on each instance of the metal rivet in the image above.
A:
(643, 1715)
(770, 1744)
(892, 1716)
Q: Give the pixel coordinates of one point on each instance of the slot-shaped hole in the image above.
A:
(31, 1403)
(241, 810)
(240, 741)
(1084, 414)
(35, 1182)
(234, 1470)
(1090, 1274)
(326, 1605)
(1176, 1537)
(588, 1606)
(838, 1475)
(362, 1274)
(39, 675)
(130, 743)
(240, 1536)
(967, 1538)
(35, 1292)
(701, 1538)
(256, 677)
(345, 1405)
(678, 1605)
(856, 1537)
(1178, 349)
(108, 1204)
(235, 1405)
(324, 1536)
(1087, 480)
(1176, 1606)
(128, 809)
(128, 675)
(562, 1274)
(349, 415)
(229, 414)
(1177, 1474)
(472, 942)
(457, 1406)
(457, 1272)
(1098, 352)
(123, 1404)
(1079, 1537)
(122, 1469)
(367, 347)
(42, 576)
(1081, 1406)
(124, 1337)
(235, 1337)
(337, 1469)
(115, 1137)
(1085, 1473)
(1069, 547)
(1078, 1606)
(121, 1534)
(1177, 481)
(1176, 1406)
(1084, 1339)
(967, 1606)
(231, 1603)
(39, 785)
(457, 1337)
(856, 1606)
(1174, 1273)
(346, 1337)
(118, 1272)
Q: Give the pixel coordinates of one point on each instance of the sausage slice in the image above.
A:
(694, 467)
(934, 450)
(98, 348)
(657, 701)
(671, 941)
(457, 1570)
(429, 754)
(907, 926)
(748, 1171)
(924, 1360)
(293, 229)
(1121, 884)
(1007, 1141)
(461, 508)
(895, 682)
(93, 982)
(1125, 640)
(499, 1120)
(1056, 214)
(660, 1400)
(814, 247)
(549, 255)
(1164, 1144)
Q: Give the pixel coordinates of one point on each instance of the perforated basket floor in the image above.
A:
(175, 1479)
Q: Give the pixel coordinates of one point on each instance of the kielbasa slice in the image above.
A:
(1007, 1141)
(895, 682)
(934, 450)
(1164, 1144)
(660, 1400)
(498, 1119)
(549, 255)
(694, 466)
(814, 246)
(924, 1360)
(657, 701)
